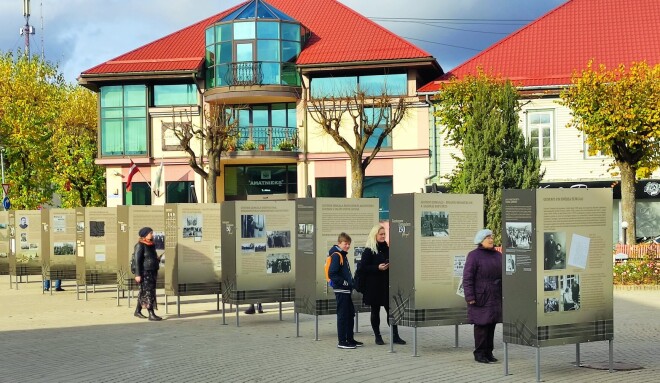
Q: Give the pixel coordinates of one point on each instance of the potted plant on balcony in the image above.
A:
(286, 145)
(249, 145)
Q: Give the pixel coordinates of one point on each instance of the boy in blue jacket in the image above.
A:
(341, 281)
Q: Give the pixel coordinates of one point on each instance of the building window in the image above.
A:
(123, 120)
(140, 194)
(379, 187)
(180, 192)
(331, 187)
(244, 181)
(540, 131)
(371, 85)
(373, 114)
(179, 94)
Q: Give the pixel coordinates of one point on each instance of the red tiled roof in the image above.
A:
(548, 51)
(339, 34)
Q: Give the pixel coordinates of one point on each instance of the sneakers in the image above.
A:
(59, 289)
(346, 345)
(356, 343)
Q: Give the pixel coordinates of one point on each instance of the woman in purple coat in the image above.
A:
(482, 283)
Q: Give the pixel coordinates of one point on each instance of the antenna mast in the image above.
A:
(27, 29)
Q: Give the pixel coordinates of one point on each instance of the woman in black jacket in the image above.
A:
(147, 263)
(375, 264)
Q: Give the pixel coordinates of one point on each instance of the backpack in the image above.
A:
(358, 279)
(134, 259)
(328, 261)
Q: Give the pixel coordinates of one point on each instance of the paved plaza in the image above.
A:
(57, 338)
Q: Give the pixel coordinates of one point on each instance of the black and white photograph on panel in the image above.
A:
(459, 265)
(518, 235)
(309, 228)
(23, 237)
(64, 248)
(551, 283)
(159, 240)
(510, 263)
(435, 224)
(260, 247)
(278, 263)
(357, 254)
(550, 305)
(570, 292)
(301, 228)
(247, 247)
(97, 228)
(253, 226)
(278, 238)
(23, 223)
(80, 226)
(192, 226)
(554, 250)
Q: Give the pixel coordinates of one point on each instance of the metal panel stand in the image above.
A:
(611, 346)
(85, 292)
(316, 327)
(280, 310)
(297, 317)
(391, 337)
(130, 295)
(357, 323)
(94, 288)
(506, 359)
(415, 341)
(577, 355)
(224, 322)
(456, 336)
(166, 305)
(237, 310)
(10, 286)
(77, 291)
(117, 295)
(538, 364)
(178, 306)
(218, 302)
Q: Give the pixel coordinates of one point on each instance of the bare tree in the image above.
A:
(366, 114)
(218, 133)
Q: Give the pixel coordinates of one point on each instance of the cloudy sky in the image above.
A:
(79, 34)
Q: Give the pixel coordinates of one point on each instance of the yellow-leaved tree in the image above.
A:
(618, 110)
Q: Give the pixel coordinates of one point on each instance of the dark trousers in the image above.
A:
(375, 319)
(483, 339)
(345, 314)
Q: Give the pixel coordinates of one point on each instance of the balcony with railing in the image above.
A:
(268, 138)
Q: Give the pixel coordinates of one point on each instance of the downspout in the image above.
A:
(201, 154)
(434, 141)
(305, 143)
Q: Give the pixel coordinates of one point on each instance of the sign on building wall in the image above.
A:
(557, 254)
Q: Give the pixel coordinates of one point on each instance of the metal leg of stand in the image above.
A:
(296, 315)
(94, 288)
(10, 285)
(237, 323)
(280, 310)
(178, 306)
(391, 335)
(16, 281)
(577, 355)
(218, 302)
(316, 327)
(455, 336)
(506, 359)
(611, 346)
(415, 342)
(224, 322)
(85, 292)
(538, 364)
(117, 295)
(166, 305)
(130, 295)
(77, 291)
(357, 322)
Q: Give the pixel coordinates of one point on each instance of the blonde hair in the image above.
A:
(372, 243)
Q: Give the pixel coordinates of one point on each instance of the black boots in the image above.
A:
(379, 340)
(251, 309)
(138, 312)
(153, 316)
(396, 339)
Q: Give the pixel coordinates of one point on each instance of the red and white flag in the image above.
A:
(131, 172)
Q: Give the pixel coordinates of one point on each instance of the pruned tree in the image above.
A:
(479, 115)
(619, 112)
(218, 131)
(365, 115)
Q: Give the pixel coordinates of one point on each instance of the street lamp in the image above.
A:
(624, 227)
